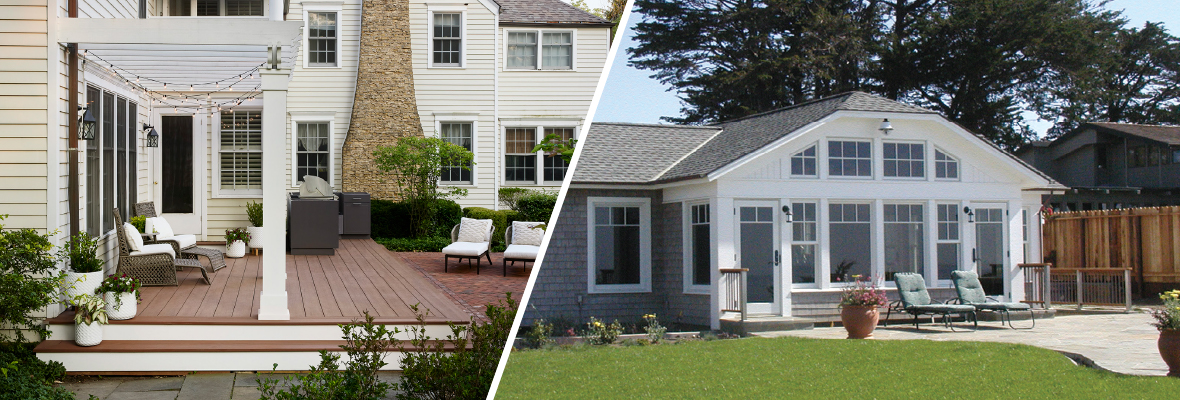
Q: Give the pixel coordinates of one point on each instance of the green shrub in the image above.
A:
(29, 364)
(138, 222)
(15, 385)
(367, 345)
(447, 215)
(81, 251)
(254, 213)
(509, 195)
(500, 220)
(24, 376)
(392, 219)
(434, 244)
(29, 281)
(536, 206)
(415, 165)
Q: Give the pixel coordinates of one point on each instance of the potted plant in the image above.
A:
(138, 222)
(254, 213)
(1167, 320)
(84, 272)
(90, 315)
(121, 294)
(858, 308)
(235, 242)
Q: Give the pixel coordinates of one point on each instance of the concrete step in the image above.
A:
(764, 323)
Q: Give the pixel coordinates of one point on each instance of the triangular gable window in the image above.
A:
(945, 166)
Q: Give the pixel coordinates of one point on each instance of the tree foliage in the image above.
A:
(980, 63)
(29, 281)
(415, 166)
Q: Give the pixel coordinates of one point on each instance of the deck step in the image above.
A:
(757, 323)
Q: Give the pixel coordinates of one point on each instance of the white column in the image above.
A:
(273, 303)
(276, 14)
(721, 228)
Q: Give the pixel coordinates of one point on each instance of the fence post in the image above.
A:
(1046, 285)
(1079, 279)
(742, 290)
(1127, 287)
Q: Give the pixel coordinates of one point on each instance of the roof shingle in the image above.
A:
(544, 12)
(1160, 133)
(635, 153)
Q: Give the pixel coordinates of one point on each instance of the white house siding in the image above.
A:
(24, 85)
(465, 93)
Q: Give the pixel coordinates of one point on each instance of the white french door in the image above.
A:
(759, 252)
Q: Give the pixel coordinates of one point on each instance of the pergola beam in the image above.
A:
(180, 31)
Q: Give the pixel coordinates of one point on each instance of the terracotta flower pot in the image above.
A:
(859, 321)
(1169, 345)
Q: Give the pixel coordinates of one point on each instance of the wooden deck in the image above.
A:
(361, 276)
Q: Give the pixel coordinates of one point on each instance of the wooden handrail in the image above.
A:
(733, 270)
(1075, 270)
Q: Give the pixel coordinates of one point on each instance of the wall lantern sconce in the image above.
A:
(153, 138)
(787, 212)
(886, 127)
(86, 124)
(970, 214)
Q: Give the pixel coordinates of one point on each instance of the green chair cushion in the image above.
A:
(1003, 306)
(968, 287)
(911, 288)
(942, 308)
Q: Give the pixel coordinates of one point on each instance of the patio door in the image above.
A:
(989, 249)
(177, 200)
(758, 251)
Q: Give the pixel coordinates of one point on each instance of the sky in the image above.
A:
(631, 96)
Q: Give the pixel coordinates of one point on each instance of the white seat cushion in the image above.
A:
(159, 225)
(474, 230)
(134, 241)
(159, 248)
(527, 233)
(185, 241)
(522, 251)
(467, 249)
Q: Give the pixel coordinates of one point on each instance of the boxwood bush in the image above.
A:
(500, 220)
(536, 206)
(392, 219)
(433, 244)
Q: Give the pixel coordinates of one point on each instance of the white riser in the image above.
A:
(188, 361)
(227, 332)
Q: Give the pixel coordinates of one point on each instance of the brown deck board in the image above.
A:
(336, 285)
(364, 284)
(311, 302)
(323, 290)
(294, 295)
(201, 346)
(424, 291)
(372, 275)
(245, 301)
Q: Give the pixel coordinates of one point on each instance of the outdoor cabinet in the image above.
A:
(312, 225)
(355, 214)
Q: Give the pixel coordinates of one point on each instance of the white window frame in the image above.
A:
(540, 49)
(119, 154)
(537, 171)
(961, 223)
(540, 126)
(689, 261)
(320, 117)
(440, 119)
(818, 242)
(934, 165)
(323, 7)
(215, 163)
(876, 266)
(926, 160)
(827, 158)
(165, 7)
(925, 226)
(644, 204)
(462, 11)
(791, 159)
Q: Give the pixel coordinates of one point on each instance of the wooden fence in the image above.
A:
(1146, 240)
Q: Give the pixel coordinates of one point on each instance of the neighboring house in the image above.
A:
(1111, 165)
(317, 84)
(804, 197)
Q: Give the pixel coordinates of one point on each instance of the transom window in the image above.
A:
(322, 35)
(556, 50)
(520, 163)
(905, 160)
(850, 158)
(904, 239)
(460, 134)
(313, 154)
(447, 40)
(803, 163)
(945, 166)
(850, 225)
(619, 245)
(701, 251)
(804, 241)
(948, 240)
(241, 151)
(213, 8)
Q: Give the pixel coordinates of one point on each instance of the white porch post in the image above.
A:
(273, 303)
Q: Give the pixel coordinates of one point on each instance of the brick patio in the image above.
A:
(470, 290)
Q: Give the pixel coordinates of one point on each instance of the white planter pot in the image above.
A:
(255, 236)
(125, 311)
(237, 249)
(88, 334)
(81, 283)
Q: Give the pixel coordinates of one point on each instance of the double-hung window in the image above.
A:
(947, 247)
(460, 134)
(804, 242)
(111, 169)
(520, 163)
(904, 239)
(240, 152)
(850, 158)
(619, 253)
(323, 39)
(447, 39)
(700, 248)
(905, 160)
(850, 226)
(540, 49)
(555, 166)
(313, 150)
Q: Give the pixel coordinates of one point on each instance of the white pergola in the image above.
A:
(273, 33)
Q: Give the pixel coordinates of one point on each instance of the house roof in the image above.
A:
(1160, 133)
(635, 153)
(545, 12)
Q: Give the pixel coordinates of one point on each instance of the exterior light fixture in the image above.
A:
(886, 127)
(787, 212)
(153, 138)
(970, 214)
(86, 125)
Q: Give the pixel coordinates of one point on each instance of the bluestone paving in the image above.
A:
(247, 393)
(156, 395)
(150, 384)
(246, 379)
(1123, 343)
(207, 386)
(99, 388)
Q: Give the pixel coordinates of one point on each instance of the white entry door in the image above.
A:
(989, 253)
(177, 196)
(758, 251)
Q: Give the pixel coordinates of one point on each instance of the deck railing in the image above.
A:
(1082, 286)
(733, 290)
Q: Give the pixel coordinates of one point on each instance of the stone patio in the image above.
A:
(1123, 343)
(212, 386)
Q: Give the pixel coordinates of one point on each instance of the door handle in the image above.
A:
(974, 257)
(777, 258)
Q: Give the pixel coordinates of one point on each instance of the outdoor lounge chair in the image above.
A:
(153, 264)
(523, 247)
(469, 246)
(971, 293)
(916, 301)
(186, 244)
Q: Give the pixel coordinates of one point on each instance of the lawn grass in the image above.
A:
(817, 368)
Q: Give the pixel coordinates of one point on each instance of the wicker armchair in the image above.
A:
(154, 269)
(216, 258)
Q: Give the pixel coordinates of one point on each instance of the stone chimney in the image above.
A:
(383, 107)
